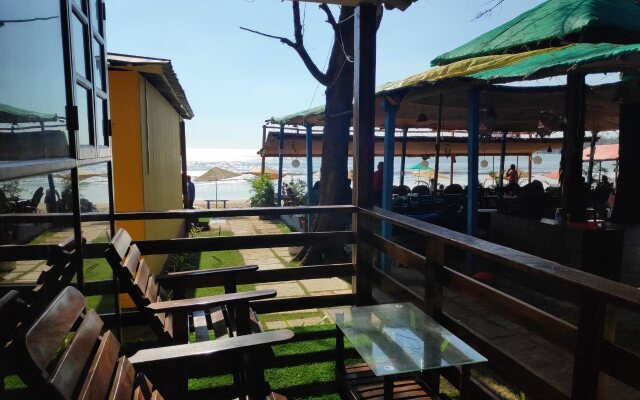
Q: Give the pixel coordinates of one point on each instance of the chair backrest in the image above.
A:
(136, 279)
(56, 363)
(421, 190)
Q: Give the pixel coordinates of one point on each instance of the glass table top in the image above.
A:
(398, 338)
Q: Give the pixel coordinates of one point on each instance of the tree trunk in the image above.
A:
(625, 209)
(334, 186)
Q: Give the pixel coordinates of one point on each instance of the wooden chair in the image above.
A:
(172, 320)
(57, 364)
(19, 309)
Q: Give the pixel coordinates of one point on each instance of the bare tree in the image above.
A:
(338, 81)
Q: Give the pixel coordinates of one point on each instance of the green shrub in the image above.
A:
(262, 192)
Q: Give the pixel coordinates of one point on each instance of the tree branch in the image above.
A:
(297, 45)
(284, 40)
(330, 18)
(488, 11)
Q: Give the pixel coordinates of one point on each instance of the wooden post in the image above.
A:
(436, 168)
(309, 148)
(572, 191)
(592, 153)
(264, 144)
(586, 369)
(363, 131)
(404, 155)
(473, 146)
(433, 296)
(280, 154)
(530, 165)
(453, 157)
(503, 153)
(183, 156)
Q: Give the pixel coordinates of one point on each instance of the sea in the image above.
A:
(200, 160)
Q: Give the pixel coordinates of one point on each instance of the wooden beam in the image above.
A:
(365, 21)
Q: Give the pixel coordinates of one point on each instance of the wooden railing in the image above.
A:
(590, 341)
(182, 245)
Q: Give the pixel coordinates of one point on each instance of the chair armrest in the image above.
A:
(203, 303)
(203, 277)
(190, 351)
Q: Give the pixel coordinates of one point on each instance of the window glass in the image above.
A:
(95, 14)
(79, 33)
(83, 97)
(32, 81)
(82, 4)
(98, 64)
(101, 129)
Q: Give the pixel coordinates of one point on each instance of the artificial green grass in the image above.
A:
(43, 237)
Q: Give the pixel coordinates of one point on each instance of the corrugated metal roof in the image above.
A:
(160, 73)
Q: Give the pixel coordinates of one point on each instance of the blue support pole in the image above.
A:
(473, 149)
(280, 153)
(390, 111)
(309, 148)
(389, 150)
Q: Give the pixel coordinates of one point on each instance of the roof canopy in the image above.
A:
(554, 23)
(399, 4)
(518, 109)
(160, 73)
(417, 146)
(604, 152)
(10, 114)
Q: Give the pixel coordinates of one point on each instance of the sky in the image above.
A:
(235, 80)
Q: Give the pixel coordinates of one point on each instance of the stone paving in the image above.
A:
(29, 271)
(272, 258)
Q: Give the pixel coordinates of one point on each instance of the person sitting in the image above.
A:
(401, 190)
(601, 196)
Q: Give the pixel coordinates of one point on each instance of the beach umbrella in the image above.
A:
(421, 166)
(83, 174)
(216, 174)
(428, 174)
(273, 174)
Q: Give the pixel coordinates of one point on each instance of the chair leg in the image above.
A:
(256, 387)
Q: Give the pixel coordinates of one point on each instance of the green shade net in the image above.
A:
(302, 117)
(10, 114)
(565, 58)
(554, 20)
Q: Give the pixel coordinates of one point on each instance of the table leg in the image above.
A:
(465, 382)
(340, 371)
(388, 387)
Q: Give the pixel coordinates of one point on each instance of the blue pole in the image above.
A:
(387, 172)
(280, 152)
(309, 145)
(389, 150)
(473, 149)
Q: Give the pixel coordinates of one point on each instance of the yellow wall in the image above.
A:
(146, 157)
(161, 164)
(126, 148)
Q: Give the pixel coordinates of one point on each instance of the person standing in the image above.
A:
(191, 192)
(512, 178)
(377, 184)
